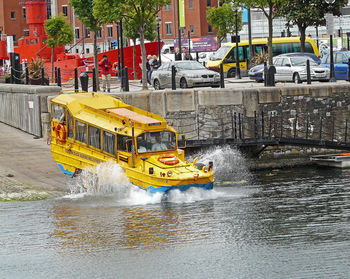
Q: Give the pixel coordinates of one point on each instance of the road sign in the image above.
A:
(329, 23)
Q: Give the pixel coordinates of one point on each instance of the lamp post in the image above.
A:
(332, 73)
(238, 70)
(159, 20)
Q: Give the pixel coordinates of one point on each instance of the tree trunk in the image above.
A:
(52, 62)
(144, 58)
(269, 41)
(134, 58)
(302, 30)
(96, 61)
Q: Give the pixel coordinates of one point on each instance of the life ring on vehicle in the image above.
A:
(59, 137)
(168, 159)
(344, 154)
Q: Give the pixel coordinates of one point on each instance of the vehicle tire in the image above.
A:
(296, 78)
(231, 73)
(183, 83)
(156, 84)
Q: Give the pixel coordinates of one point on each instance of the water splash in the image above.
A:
(229, 163)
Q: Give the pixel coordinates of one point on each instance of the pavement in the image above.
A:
(27, 169)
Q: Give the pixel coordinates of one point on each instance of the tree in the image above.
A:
(305, 13)
(270, 9)
(223, 19)
(142, 11)
(59, 33)
(84, 10)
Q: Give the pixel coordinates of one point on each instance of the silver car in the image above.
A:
(293, 68)
(188, 74)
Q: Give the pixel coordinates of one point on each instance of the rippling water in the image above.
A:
(275, 224)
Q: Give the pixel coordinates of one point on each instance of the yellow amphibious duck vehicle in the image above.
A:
(91, 128)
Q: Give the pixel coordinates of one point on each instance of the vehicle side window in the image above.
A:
(70, 124)
(285, 62)
(108, 142)
(338, 58)
(80, 131)
(308, 48)
(95, 137)
(122, 141)
(278, 62)
(58, 112)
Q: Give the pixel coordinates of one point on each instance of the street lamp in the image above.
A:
(332, 73)
(159, 20)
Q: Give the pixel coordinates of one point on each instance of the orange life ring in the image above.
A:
(344, 154)
(60, 138)
(168, 159)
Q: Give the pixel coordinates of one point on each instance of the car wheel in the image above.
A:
(183, 83)
(156, 84)
(231, 73)
(296, 78)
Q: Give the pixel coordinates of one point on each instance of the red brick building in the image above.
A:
(195, 20)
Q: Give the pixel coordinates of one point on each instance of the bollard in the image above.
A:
(173, 74)
(349, 69)
(84, 80)
(94, 82)
(27, 75)
(59, 80)
(56, 75)
(270, 77)
(197, 56)
(126, 80)
(76, 81)
(12, 76)
(42, 76)
(308, 72)
(265, 73)
(122, 81)
(222, 80)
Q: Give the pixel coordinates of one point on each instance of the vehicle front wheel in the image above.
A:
(296, 78)
(183, 83)
(156, 84)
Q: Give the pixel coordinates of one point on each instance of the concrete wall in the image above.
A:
(25, 107)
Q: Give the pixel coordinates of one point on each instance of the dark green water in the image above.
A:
(281, 224)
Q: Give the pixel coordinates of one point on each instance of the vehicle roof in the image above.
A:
(264, 41)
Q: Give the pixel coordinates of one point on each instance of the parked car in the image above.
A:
(292, 67)
(188, 74)
(341, 66)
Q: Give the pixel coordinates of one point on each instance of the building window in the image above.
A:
(98, 34)
(168, 28)
(13, 15)
(110, 31)
(24, 13)
(210, 29)
(77, 35)
(65, 10)
(87, 32)
(208, 3)
(49, 12)
(14, 38)
(87, 50)
(26, 32)
(191, 4)
(192, 29)
(167, 7)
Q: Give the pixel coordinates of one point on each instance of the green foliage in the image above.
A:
(35, 66)
(223, 19)
(84, 10)
(59, 31)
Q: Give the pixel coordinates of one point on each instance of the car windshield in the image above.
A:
(301, 61)
(156, 141)
(220, 53)
(190, 66)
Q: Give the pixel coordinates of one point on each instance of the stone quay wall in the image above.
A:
(25, 107)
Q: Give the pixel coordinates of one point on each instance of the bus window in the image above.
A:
(308, 47)
(81, 132)
(95, 137)
(231, 56)
(108, 142)
(259, 48)
(276, 49)
(70, 124)
(58, 112)
(296, 47)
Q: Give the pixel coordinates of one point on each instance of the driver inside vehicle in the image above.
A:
(158, 145)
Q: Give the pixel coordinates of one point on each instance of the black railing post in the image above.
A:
(255, 126)
(76, 81)
(348, 67)
(333, 120)
(126, 79)
(320, 132)
(173, 74)
(239, 126)
(346, 130)
(270, 126)
(56, 75)
(94, 79)
(308, 72)
(265, 73)
(59, 78)
(12, 79)
(222, 80)
(307, 127)
(295, 125)
(42, 76)
(235, 121)
(27, 75)
(262, 125)
(242, 126)
(281, 132)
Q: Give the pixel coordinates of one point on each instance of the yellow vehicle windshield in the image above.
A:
(156, 141)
